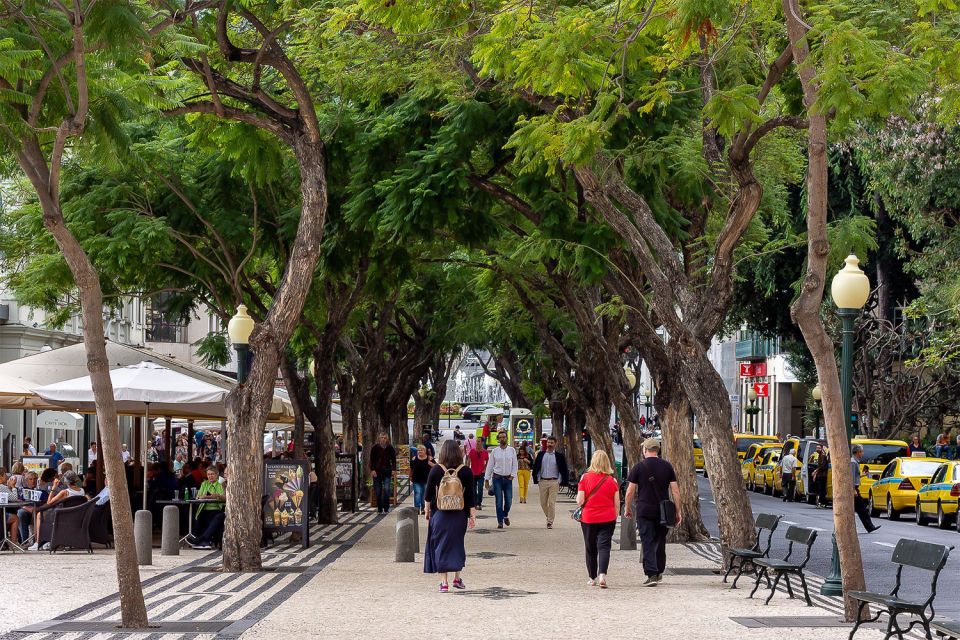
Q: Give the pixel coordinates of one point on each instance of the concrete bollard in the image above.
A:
(413, 515)
(170, 532)
(406, 543)
(143, 536)
(628, 534)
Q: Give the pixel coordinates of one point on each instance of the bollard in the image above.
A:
(413, 515)
(406, 548)
(170, 532)
(628, 534)
(143, 536)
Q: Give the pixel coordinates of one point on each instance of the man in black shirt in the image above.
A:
(383, 462)
(651, 480)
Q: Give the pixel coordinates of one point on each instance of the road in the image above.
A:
(876, 547)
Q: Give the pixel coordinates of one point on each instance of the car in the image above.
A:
(744, 440)
(940, 498)
(877, 454)
(472, 412)
(765, 474)
(697, 453)
(896, 490)
(751, 460)
(803, 448)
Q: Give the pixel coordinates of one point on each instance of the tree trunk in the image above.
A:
(677, 428)
(248, 404)
(806, 313)
(574, 423)
(422, 410)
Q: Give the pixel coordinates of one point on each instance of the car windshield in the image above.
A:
(696, 443)
(744, 443)
(881, 453)
(918, 467)
(771, 456)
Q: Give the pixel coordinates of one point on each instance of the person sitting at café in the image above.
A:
(72, 488)
(103, 497)
(9, 486)
(47, 480)
(210, 516)
(178, 464)
(16, 472)
(25, 514)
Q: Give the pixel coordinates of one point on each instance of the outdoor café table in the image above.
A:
(6, 541)
(189, 504)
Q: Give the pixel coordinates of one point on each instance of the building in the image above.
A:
(471, 384)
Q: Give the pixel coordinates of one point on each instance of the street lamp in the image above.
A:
(753, 409)
(817, 395)
(850, 289)
(647, 403)
(239, 329)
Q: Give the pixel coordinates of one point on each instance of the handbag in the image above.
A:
(668, 510)
(579, 511)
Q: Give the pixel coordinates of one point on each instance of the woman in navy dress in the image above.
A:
(444, 552)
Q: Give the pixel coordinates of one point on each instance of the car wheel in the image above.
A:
(874, 512)
(921, 519)
(892, 514)
(943, 520)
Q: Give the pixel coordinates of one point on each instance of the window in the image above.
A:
(162, 326)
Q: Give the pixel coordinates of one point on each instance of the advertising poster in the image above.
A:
(286, 484)
(523, 431)
(36, 463)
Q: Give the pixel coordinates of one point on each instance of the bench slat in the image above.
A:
(920, 555)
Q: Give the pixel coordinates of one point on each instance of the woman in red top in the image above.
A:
(599, 496)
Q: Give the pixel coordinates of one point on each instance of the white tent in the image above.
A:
(59, 421)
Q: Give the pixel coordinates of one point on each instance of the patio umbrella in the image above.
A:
(142, 388)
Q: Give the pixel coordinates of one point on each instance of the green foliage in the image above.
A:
(213, 350)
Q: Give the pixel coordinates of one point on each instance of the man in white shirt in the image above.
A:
(788, 478)
(28, 443)
(501, 470)
(124, 454)
(92, 453)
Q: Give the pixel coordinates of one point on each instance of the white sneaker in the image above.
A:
(34, 547)
(591, 583)
(45, 547)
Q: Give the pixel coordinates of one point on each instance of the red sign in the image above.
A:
(762, 389)
(753, 369)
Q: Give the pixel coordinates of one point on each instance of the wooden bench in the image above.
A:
(947, 629)
(925, 556)
(765, 522)
(786, 567)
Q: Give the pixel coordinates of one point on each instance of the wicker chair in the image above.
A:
(71, 527)
(100, 525)
(48, 511)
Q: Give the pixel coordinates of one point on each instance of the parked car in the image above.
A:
(766, 474)
(473, 412)
(744, 440)
(751, 460)
(697, 453)
(898, 486)
(940, 498)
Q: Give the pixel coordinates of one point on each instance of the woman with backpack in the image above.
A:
(598, 496)
(449, 511)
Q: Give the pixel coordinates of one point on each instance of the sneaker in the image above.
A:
(45, 547)
(591, 582)
(549, 525)
(202, 545)
(874, 529)
(499, 525)
(34, 547)
(602, 581)
(444, 588)
(650, 582)
(659, 578)
(458, 583)
(506, 521)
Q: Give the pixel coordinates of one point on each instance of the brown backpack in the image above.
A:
(450, 491)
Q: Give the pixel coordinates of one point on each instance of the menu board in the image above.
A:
(36, 463)
(403, 460)
(286, 484)
(345, 472)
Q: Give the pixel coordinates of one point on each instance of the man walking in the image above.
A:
(478, 458)
(383, 462)
(501, 470)
(549, 472)
(651, 480)
(859, 503)
(788, 479)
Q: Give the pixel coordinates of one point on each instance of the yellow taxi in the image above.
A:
(766, 474)
(940, 498)
(896, 490)
(697, 454)
(744, 440)
(751, 459)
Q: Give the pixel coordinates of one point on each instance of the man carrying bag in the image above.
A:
(651, 482)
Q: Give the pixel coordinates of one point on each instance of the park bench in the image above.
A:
(786, 567)
(947, 629)
(925, 556)
(765, 522)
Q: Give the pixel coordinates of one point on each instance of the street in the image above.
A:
(876, 547)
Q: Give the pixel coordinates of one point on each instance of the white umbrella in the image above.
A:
(142, 388)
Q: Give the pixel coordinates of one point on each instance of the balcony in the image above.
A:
(751, 347)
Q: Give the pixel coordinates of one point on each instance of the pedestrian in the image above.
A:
(383, 462)
(29, 449)
(599, 497)
(859, 502)
(125, 454)
(915, 446)
(457, 434)
(470, 444)
(92, 453)
(788, 479)
(549, 472)
(650, 481)
(449, 511)
(524, 468)
(428, 446)
(478, 457)
(419, 470)
(817, 471)
(501, 470)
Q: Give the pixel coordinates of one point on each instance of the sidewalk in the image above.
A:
(526, 580)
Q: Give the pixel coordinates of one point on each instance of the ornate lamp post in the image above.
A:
(239, 329)
(850, 289)
(647, 402)
(753, 409)
(817, 396)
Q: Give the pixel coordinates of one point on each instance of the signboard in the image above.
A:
(762, 389)
(286, 483)
(346, 471)
(59, 421)
(403, 460)
(523, 431)
(36, 463)
(753, 369)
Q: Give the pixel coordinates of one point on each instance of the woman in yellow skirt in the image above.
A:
(524, 467)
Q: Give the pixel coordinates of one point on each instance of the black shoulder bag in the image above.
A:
(579, 512)
(668, 510)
